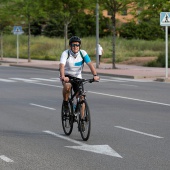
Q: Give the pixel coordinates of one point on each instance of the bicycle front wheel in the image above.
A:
(85, 122)
(67, 119)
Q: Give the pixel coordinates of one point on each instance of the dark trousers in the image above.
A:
(99, 58)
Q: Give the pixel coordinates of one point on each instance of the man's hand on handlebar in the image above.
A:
(96, 78)
(65, 79)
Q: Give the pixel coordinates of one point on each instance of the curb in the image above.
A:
(163, 79)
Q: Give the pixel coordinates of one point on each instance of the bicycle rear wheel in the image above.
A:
(85, 123)
(67, 119)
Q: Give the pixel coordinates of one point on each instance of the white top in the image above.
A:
(100, 49)
(73, 65)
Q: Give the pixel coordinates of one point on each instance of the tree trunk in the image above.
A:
(65, 34)
(29, 36)
(114, 42)
(1, 45)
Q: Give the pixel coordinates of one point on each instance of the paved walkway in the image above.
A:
(125, 71)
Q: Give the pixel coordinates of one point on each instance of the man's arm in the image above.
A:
(62, 73)
(93, 71)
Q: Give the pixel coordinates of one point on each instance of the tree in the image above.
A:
(149, 15)
(30, 10)
(150, 8)
(5, 20)
(68, 10)
(113, 7)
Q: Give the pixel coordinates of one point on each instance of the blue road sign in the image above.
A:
(165, 18)
(17, 30)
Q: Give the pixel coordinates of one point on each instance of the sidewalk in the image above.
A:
(123, 71)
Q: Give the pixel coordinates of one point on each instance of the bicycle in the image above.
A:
(75, 115)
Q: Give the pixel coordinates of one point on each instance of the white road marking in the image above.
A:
(58, 79)
(41, 79)
(100, 149)
(45, 84)
(128, 98)
(6, 159)
(42, 106)
(6, 80)
(106, 80)
(22, 79)
(147, 134)
(127, 79)
(146, 101)
(129, 85)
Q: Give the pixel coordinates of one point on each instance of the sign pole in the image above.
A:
(17, 48)
(166, 52)
(97, 35)
(17, 30)
(165, 21)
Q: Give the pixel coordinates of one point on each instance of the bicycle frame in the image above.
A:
(80, 91)
(81, 115)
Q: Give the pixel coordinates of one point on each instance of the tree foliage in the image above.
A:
(65, 18)
(114, 6)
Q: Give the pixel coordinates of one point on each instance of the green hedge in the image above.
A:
(144, 30)
(160, 61)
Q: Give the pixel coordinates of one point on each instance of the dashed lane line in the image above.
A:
(6, 159)
(143, 133)
(48, 80)
(7, 80)
(42, 106)
(129, 98)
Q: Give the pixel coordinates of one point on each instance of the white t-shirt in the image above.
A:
(100, 49)
(73, 65)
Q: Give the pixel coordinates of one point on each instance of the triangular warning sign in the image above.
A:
(166, 19)
(17, 29)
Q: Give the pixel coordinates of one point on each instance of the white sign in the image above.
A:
(165, 18)
(17, 30)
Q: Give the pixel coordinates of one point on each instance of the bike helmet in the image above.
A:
(74, 39)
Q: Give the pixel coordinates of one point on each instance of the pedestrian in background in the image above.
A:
(100, 51)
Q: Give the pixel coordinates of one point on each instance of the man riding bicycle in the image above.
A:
(71, 65)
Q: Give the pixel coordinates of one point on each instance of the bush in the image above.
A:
(144, 30)
(159, 62)
(128, 30)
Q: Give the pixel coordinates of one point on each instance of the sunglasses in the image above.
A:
(75, 45)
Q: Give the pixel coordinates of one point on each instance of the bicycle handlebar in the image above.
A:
(78, 80)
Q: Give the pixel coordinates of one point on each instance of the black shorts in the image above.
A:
(74, 85)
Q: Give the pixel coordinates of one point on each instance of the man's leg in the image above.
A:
(66, 93)
(99, 58)
(82, 108)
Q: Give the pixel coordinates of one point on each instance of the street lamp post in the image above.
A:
(97, 34)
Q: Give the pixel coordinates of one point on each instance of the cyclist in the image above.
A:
(71, 65)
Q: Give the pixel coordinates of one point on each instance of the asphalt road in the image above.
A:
(130, 124)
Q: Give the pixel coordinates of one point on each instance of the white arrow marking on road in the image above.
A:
(101, 149)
